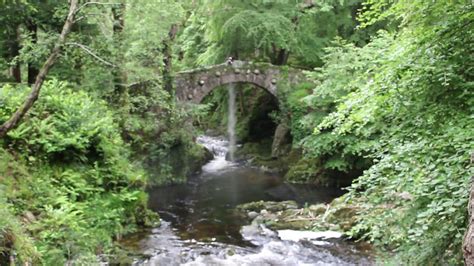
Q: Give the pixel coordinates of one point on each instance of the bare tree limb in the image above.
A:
(95, 3)
(34, 94)
(89, 51)
(87, 15)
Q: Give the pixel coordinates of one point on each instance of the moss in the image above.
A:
(306, 170)
(250, 150)
(178, 163)
(290, 225)
(292, 157)
(338, 215)
(252, 206)
(259, 154)
(271, 206)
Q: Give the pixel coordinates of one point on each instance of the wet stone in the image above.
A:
(318, 208)
(252, 215)
(271, 206)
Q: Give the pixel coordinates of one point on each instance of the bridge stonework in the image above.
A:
(193, 85)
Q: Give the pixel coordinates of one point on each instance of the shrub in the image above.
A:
(73, 176)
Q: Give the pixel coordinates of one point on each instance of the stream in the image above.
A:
(200, 227)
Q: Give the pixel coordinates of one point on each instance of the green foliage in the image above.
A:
(147, 26)
(160, 133)
(267, 30)
(73, 176)
(405, 101)
(347, 68)
(293, 109)
(249, 30)
(415, 196)
(398, 105)
(65, 123)
(12, 233)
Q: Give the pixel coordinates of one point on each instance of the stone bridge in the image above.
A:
(193, 85)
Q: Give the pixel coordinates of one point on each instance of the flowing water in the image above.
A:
(199, 226)
(231, 121)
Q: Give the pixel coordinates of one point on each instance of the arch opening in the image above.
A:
(256, 110)
(240, 84)
(197, 85)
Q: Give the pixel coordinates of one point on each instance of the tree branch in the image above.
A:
(87, 15)
(33, 96)
(89, 51)
(96, 3)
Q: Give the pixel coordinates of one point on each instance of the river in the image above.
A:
(200, 227)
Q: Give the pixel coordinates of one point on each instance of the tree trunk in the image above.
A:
(120, 96)
(468, 242)
(32, 69)
(168, 57)
(14, 51)
(34, 94)
(282, 57)
(279, 56)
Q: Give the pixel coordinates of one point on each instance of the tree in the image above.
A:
(11, 17)
(43, 72)
(272, 31)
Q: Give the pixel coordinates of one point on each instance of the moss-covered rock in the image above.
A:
(180, 162)
(281, 144)
(271, 206)
(338, 215)
(304, 171)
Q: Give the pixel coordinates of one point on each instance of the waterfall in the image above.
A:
(219, 146)
(231, 121)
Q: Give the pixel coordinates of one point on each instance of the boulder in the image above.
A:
(281, 141)
(270, 206)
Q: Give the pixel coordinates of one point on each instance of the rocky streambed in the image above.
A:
(233, 214)
(288, 215)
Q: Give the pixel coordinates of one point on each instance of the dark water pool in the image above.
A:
(202, 209)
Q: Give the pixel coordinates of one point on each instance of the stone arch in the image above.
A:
(192, 86)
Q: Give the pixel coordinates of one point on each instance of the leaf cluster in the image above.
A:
(71, 176)
(406, 104)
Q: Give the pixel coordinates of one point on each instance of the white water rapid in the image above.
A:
(219, 147)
